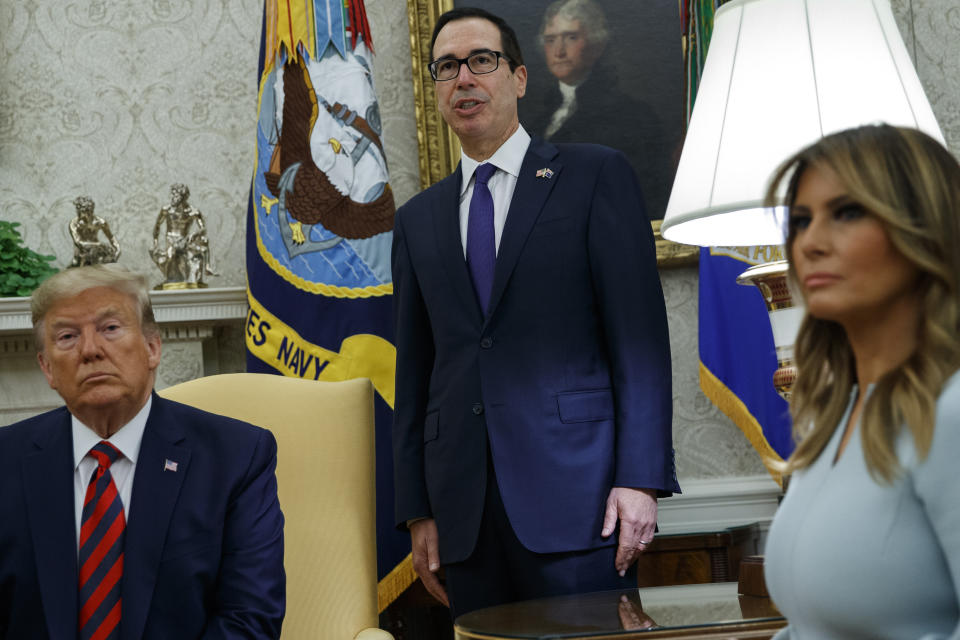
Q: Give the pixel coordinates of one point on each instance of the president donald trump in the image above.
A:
(126, 515)
(532, 426)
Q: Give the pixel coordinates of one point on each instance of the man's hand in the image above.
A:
(426, 556)
(637, 511)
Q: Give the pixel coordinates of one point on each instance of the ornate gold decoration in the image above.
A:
(439, 147)
(184, 259)
(785, 317)
(673, 254)
(85, 232)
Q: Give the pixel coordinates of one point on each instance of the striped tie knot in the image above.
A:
(105, 453)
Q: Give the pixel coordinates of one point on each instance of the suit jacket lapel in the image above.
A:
(48, 484)
(446, 218)
(155, 493)
(529, 197)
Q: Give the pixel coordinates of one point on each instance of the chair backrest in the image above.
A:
(326, 484)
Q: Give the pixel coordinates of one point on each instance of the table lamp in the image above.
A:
(779, 75)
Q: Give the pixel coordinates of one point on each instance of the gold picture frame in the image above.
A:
(439, 150)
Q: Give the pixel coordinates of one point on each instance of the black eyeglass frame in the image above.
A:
(432, 67)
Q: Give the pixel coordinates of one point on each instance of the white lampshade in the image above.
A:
(779, 75)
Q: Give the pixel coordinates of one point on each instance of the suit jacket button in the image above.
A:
(486, 343)
(477, 409)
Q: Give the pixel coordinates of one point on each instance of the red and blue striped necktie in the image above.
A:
(101, 551)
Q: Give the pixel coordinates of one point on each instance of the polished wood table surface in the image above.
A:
(702, 611)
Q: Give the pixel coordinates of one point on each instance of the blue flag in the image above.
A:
(737, 353)
(320, 228)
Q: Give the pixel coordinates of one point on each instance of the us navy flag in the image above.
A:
(320, 226)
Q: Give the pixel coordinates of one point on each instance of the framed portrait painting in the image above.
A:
(603, 71)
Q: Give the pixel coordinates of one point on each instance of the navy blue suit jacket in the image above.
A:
(203, 555)
(567, 376)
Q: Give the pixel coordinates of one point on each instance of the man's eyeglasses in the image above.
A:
(479, 63)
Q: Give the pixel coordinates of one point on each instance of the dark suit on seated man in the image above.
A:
(533, 406)
(126, 515)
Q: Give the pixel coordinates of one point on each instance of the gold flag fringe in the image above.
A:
(734, 408)
(395, 583)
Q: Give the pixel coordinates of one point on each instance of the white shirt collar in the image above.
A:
(127, 439)
(508, 158)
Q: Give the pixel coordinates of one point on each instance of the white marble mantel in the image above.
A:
(186, 306)
(188, 319)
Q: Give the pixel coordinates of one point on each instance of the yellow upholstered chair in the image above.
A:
(325, 477)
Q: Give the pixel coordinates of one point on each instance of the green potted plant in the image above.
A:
(21, 269)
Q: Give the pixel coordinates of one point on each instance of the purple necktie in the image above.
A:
(481, 245)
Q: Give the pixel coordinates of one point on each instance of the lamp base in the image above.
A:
(785, 317)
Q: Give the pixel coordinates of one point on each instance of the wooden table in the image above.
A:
(704, 611)
(697, 557)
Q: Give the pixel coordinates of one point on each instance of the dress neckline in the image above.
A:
(835, 455)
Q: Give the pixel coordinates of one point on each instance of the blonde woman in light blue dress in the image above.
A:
(867, 541)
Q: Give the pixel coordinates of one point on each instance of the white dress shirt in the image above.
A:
(507, 159)
(127, 440)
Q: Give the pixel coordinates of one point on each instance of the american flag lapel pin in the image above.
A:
(546, 172)
(169, 465)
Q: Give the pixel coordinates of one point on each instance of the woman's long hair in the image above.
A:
(909, 182)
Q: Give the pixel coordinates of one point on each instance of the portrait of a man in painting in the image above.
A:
(609, 72)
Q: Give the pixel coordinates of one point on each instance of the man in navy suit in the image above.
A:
(533, 401)
(126, 515)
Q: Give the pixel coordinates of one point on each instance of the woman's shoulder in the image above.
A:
(945, 445)
(946, 430)
(948, 403)
(934, 477)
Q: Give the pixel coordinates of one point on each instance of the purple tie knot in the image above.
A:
(484, 172)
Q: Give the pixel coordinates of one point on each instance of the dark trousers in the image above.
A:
(502, 570)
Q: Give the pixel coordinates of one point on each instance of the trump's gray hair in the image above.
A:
(71, 282)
